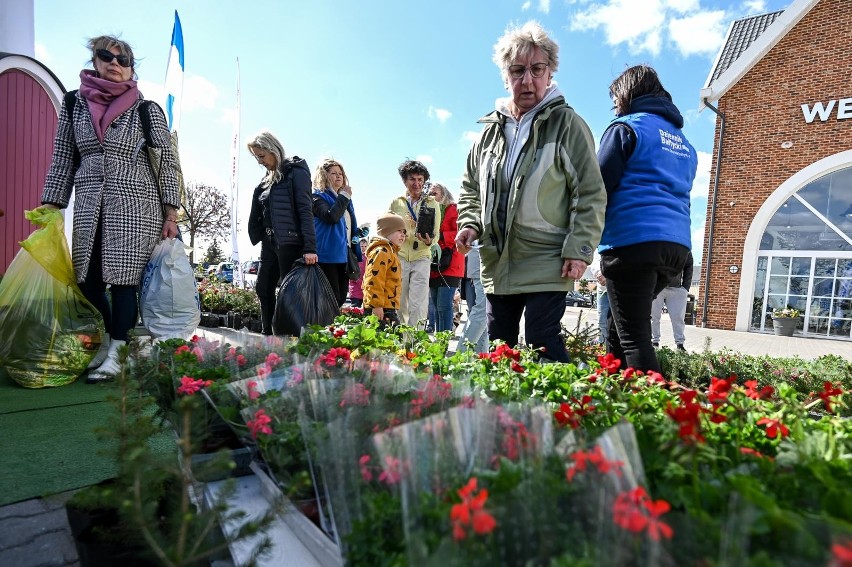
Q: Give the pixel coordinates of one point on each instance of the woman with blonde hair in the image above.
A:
(443, 283)
(335, 225)
(281, 219)
(121, 211)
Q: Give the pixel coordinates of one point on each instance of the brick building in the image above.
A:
(779, 215)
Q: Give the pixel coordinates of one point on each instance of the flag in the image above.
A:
(235, 170)
(174, 77)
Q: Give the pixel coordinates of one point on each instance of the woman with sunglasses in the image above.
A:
(335, 225)
(120, 210)
(280, 219)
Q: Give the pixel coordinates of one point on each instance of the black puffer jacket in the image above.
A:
(286, 208)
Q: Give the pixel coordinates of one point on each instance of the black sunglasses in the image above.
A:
(107, 56)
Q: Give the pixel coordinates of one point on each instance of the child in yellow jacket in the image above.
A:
(382, 283)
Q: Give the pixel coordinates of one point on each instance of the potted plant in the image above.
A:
(784, 321)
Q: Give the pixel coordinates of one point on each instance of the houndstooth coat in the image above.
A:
(114, 186)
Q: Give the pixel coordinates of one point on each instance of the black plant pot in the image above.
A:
(100, 541)
(209, 320)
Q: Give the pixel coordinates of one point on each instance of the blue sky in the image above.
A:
(372, 83)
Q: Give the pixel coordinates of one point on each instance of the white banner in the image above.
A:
(235, 171)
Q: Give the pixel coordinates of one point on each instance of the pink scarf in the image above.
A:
(107, 99)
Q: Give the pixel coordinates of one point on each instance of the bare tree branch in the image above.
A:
(206, 214)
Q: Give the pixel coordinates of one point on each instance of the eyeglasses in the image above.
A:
(107, 56)
(536, 70)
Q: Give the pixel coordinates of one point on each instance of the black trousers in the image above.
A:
(122, 314)
(275, 262)
(634, 276)
(543, 312)
(336, 276)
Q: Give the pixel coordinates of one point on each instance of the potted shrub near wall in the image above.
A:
(784, 321)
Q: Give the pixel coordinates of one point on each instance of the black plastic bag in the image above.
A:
(305, 298)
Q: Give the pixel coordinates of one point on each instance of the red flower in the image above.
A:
(687, 415)
(773, 427)
(336, 356)
(754, 452)
(253, 394)
(363, 464)
(655, 378)
(594, 457)
(189, 386)
(355, 395)
(434, 391)
(517, 367)
(272, 360)
(566, 416)
(717, 393)
(609, 363)
(828, 392)
(636, 512)
(182, 349)
(752, 392)
(392, 472)
(260, 423)
(842, 554)
(471, 513)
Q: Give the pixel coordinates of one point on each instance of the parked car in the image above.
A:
(224, 272)
(577, 299)
(251, 266)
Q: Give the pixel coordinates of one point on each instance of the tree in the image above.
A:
(206, 214)
(214, 254)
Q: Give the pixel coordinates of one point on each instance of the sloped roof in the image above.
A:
(741, 35)
(748, 41)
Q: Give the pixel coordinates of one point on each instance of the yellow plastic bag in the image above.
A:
(49, 332)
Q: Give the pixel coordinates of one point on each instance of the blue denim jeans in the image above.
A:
(442, 297)
(476, 328)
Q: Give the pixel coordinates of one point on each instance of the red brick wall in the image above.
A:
(811, 63)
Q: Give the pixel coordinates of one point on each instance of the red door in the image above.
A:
(27, 127)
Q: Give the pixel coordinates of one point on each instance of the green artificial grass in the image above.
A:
(15, 398)
(48, 442)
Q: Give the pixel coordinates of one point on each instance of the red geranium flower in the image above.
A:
(828, 392)
(609, 363)
(471, 513)
(636, 512)
(773, 427)
(189, 385)
(260, 424)
(752, 392)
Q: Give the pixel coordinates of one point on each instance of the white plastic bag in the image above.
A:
(169, 300)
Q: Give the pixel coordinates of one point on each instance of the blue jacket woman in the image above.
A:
(648, 167)
(335, 225)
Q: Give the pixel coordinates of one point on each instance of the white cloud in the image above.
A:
(153, 91)
(701, 184)
(440, 114)
(544, 6)
(698, 245)
(526, 5)
(470, 136)
(648, 25)
(42, 54)
(755, 6)
(424, 159)
(198, 92)
(699, 34)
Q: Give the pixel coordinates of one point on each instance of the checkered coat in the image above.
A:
(114, 185)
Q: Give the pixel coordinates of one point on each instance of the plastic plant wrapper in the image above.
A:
(489, 486)
(49, 332)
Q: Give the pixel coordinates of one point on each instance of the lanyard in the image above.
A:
(410, 210)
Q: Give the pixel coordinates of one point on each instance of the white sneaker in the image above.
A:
(101, 355)
(110, 366)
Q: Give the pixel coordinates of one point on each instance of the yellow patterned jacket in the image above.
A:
(382, 283)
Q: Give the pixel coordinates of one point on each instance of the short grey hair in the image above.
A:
(267, 142)
(518, 41)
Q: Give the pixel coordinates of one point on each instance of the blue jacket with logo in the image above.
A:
(330, 226)
(648, 167)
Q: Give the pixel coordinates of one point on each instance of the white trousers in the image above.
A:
(414, 303)
(674, 299)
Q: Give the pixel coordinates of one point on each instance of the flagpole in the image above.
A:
(235, 170)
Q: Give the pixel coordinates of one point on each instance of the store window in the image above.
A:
(805, 259)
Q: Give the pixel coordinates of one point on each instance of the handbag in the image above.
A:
(353, 270)
(442, 260)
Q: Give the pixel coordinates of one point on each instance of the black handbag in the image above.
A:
(442, 262)
(353, 270)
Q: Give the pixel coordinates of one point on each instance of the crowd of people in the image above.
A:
(535, 203)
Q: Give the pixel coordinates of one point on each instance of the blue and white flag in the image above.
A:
(174, 77)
